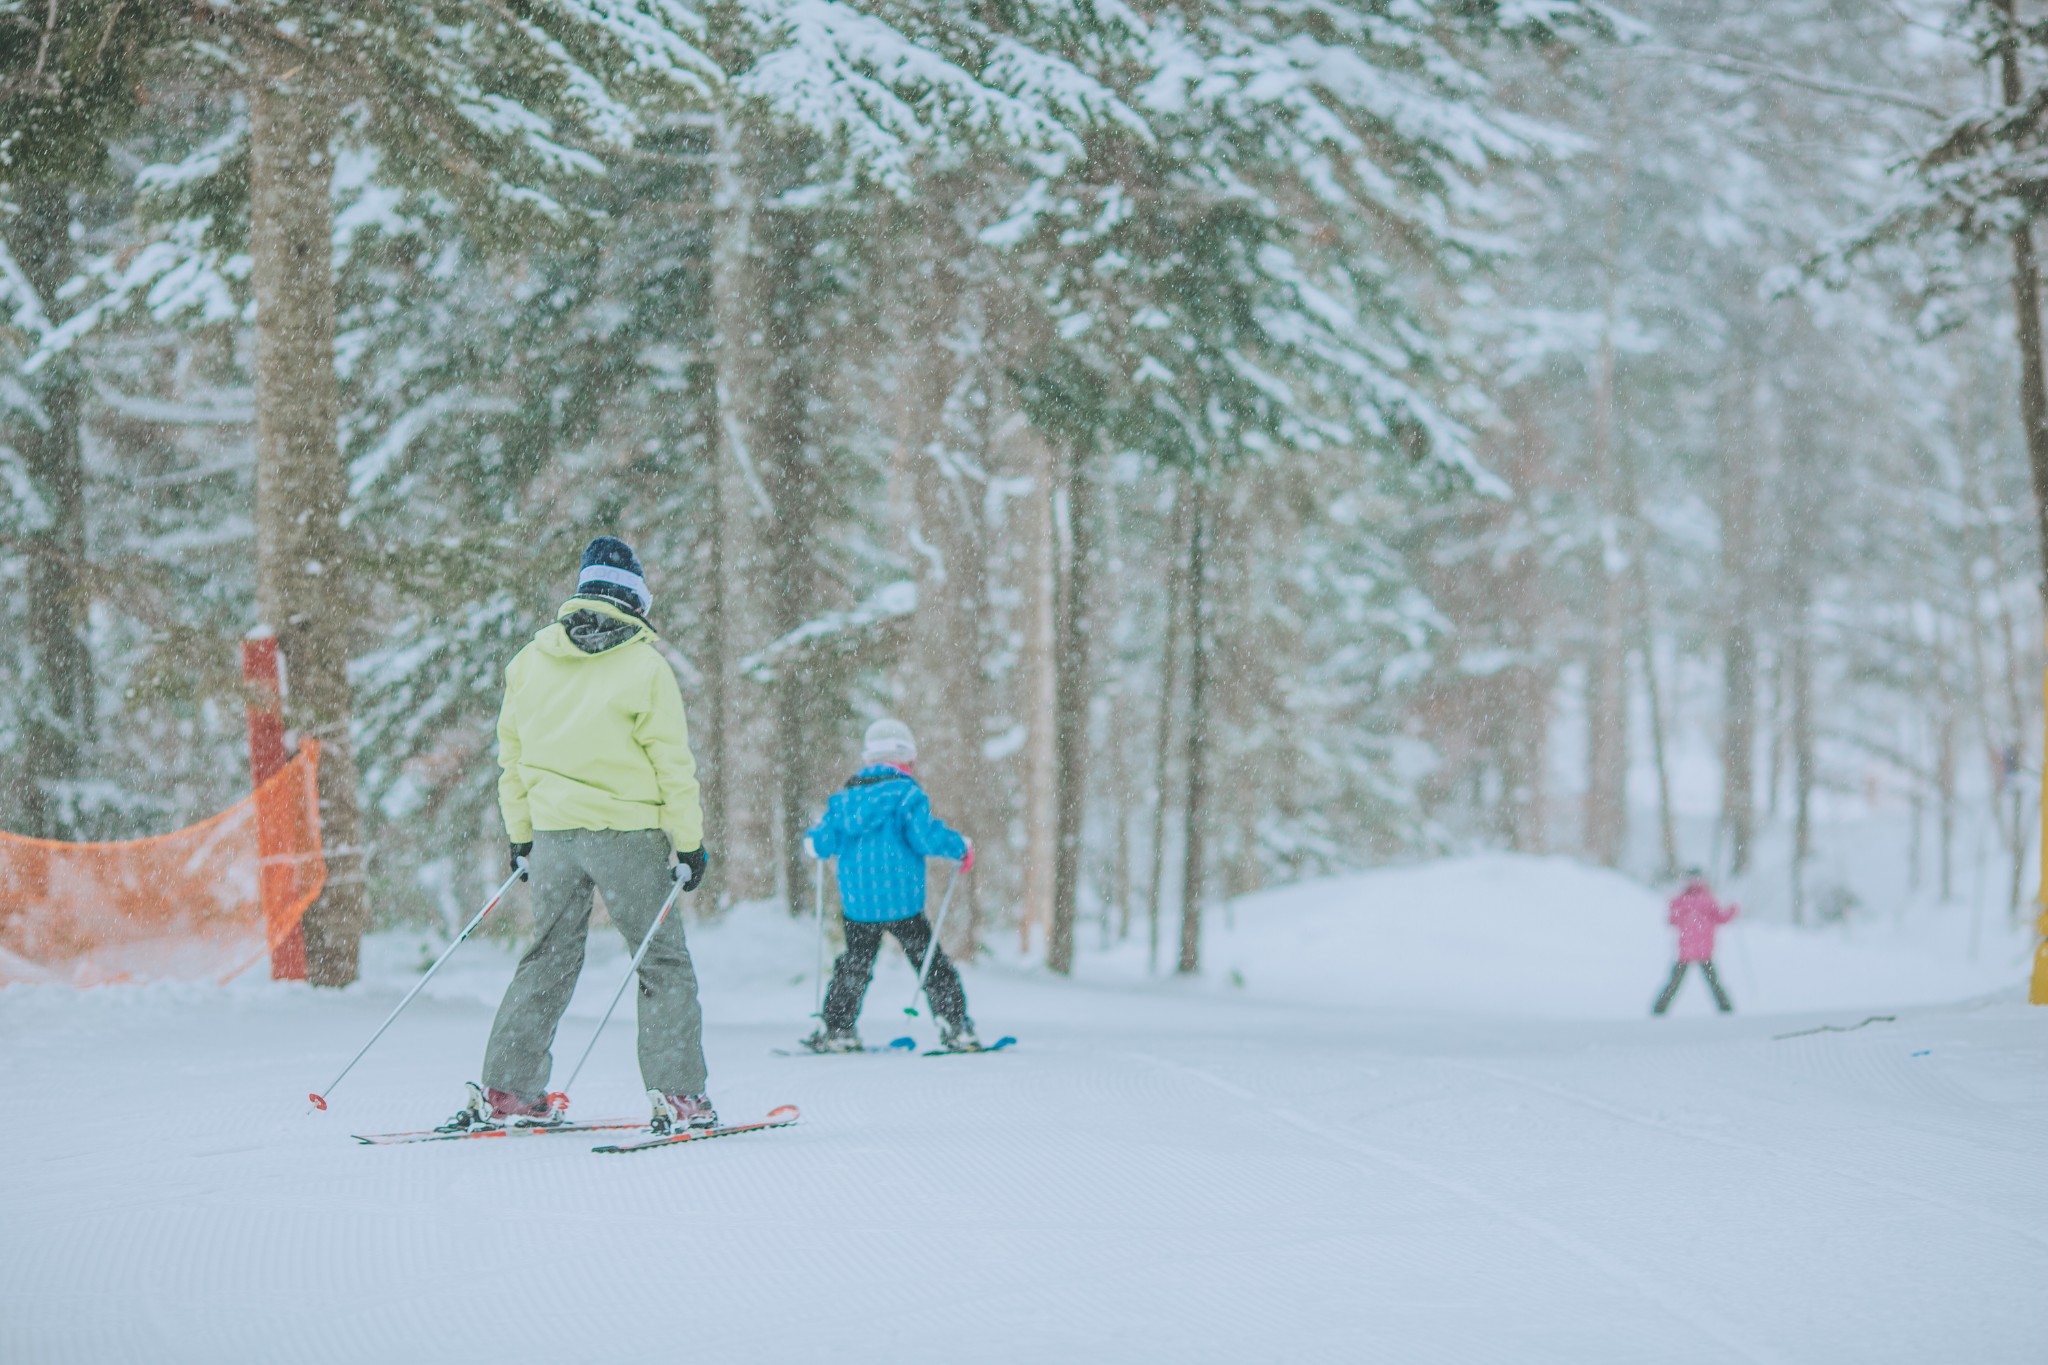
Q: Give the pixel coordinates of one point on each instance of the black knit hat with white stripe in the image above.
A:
(612, 571)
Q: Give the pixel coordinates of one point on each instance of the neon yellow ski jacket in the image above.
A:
(592, 733)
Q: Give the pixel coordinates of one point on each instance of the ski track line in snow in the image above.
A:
(1879, 1182)
(1860, 1068)
(1706, 1324)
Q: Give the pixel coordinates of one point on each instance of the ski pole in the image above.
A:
(819, 1012)
(319, 1097)
(631, 969)
(932, 949)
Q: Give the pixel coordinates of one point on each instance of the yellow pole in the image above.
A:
(2037, 992)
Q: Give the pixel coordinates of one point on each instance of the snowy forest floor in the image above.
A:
(1431, 1125)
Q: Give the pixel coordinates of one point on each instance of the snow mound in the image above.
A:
(1551, 937)
(1496, 935)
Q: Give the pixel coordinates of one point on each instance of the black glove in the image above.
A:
(696, 862)
(520, 851)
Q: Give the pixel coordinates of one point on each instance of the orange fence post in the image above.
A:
(265, 689)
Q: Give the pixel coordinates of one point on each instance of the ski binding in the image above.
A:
(780, 1117)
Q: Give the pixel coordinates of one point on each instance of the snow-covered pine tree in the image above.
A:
(69, 80)
(1978, 180)
(463, 98)
(1248, 274)
(993, 201)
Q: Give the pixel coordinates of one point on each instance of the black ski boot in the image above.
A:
(470, 1115)
(958, 1037)
(833, 1040)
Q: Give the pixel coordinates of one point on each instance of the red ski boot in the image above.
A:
(499, 1109)
(673, 1113)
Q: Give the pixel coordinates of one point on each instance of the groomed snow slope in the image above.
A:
(1431, 1126)
(1553, 938)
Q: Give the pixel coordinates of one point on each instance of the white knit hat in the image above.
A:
(888, 741)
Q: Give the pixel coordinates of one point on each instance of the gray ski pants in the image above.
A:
(631, 868)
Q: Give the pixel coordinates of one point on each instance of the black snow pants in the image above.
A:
(1670, 991)
(856, 967)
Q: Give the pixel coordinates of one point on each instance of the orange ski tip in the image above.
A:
(318, 1102)
(785, 1113)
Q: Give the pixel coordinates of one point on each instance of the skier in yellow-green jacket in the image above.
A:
(597, 788)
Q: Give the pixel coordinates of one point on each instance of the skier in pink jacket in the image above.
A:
(1696, 915)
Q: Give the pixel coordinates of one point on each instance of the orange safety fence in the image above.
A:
(207, 901)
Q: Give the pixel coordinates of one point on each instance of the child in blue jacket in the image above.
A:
(881, 828)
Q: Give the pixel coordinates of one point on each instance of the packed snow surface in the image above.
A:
(1417, 1115)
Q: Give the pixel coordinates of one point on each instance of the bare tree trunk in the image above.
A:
(2026, 298)
(702, 385)
(1606, 819)
(57, 730)
(1120, 792)
(768, 370)
(2026, 295)
(752, 815)
(1528, 687)
(1774, 786)
(2011, 836)
(303, 557)
(1945, 788)
(789, 465)
(2022, 841)
(1646, 650)
(1667, 833)
(1738, 647)
(1803, 772)
(1524, 756)
(948, 682)
(945, 678)
(712, 738)
(1606, 823)
(1916, 804)
(1805, 485)
(1119, 716)
(1169, 682)
(1073, 695)
(1041, 761)
(1194, 866)
(1236, 693)
(2005, 738)
(1739, 743)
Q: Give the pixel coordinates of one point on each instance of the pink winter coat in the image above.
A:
(1696, 915)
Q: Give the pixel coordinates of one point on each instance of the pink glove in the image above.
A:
(967, 863)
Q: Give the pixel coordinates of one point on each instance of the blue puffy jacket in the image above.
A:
(881, 828)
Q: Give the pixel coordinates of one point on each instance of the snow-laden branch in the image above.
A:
(840, 629)
(1785, 75)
